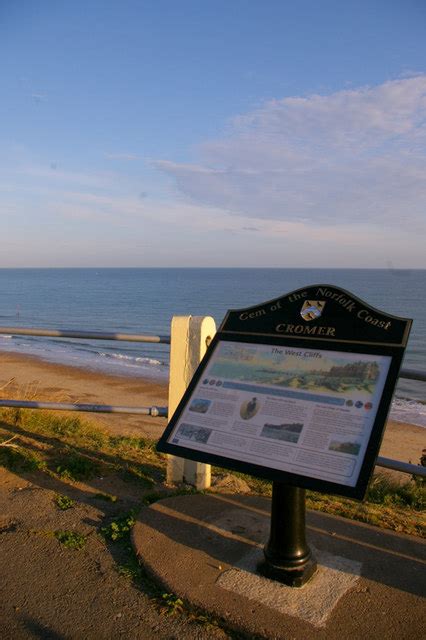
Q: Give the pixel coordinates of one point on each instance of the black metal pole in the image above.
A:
(288, 558)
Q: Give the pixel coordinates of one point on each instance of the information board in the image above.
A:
(304, 407)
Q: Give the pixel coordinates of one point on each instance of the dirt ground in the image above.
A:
(53, 592)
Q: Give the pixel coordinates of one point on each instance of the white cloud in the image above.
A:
(356, 155)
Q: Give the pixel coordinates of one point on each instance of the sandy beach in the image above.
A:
(30, 378)
(27, 377)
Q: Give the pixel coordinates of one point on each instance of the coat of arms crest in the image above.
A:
(312, 309)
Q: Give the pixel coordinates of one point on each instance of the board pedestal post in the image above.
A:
(288, 558)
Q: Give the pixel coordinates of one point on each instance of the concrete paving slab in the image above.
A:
(314, 602)
(204, 548)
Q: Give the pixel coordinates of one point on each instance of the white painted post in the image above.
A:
(190, 336)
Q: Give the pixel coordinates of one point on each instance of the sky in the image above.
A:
(213, 133)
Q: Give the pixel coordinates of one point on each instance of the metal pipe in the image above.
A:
(404, 467)
(160, 412)
(91, 335)
(413, 374)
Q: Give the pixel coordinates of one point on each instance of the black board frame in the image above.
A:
(395, 350)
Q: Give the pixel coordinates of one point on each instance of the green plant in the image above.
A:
(70, 539)
(130, 569)
(51, 424)
(94, 438)
(21, 460)
(383, 490)
(63, 502)
(120, 527)
(66, 426)
(173, 604)
(73, 466)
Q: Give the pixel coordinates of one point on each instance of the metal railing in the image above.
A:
(162, 412)
(87, 335)
(155, 412)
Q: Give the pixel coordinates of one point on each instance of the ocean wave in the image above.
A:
(5, 337)
(90, 356)
(411, 411)
(139, 359)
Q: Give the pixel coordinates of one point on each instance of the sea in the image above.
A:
(144, 300)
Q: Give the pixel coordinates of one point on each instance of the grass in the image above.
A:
(71, 465)
(73, 449)
(397, 518)
(21, 460)
(384, 490)
(388, 504)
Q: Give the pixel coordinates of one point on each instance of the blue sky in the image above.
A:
(213, 133)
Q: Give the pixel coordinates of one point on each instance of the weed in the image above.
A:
(384, 490)
(173, 604)
(120, 527)
(41, 421)
(130, 569)
(64, 426)
(21, 460)
(128, 442)
(389, 516)
(134, 457)
(95, 438)
(70, 539)
(73, 466)
(63, 502)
